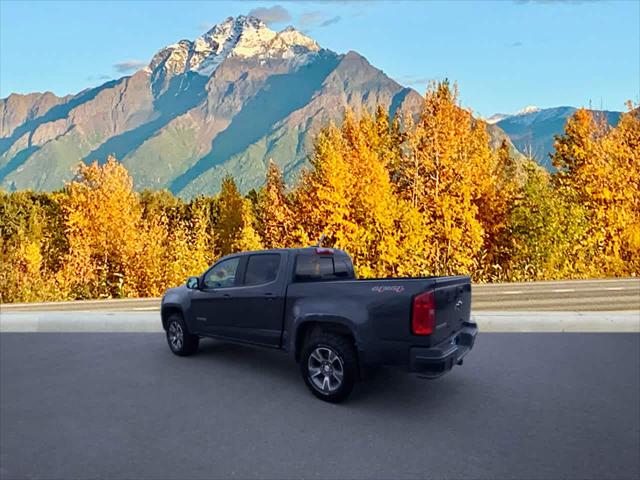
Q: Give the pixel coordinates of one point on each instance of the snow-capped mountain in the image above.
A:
(242, 36)
(528, 109)
(497, 117)
(224, 103)
(532, 129)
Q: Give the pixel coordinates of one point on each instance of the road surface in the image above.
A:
(567, 295)
(122, 406)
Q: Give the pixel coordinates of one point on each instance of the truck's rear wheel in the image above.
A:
(329, 366)
(180, 341)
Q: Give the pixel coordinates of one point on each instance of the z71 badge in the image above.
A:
(388, 288)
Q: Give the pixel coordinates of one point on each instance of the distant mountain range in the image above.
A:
(532, 129)
(224, 103)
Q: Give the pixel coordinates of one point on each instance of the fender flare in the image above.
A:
(320, 318)
(167, 308)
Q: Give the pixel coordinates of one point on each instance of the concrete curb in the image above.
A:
(114, 304)
(135, 321)
(613, 321)
(80, 321)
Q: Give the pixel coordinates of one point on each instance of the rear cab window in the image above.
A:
(313, 267)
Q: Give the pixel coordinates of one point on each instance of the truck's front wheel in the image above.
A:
(180, 341)
(329, 366)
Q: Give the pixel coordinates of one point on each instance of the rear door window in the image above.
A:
(262, 269)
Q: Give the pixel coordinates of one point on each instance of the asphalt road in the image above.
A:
(121, 406)
(566, 295)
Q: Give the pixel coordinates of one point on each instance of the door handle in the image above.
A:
(269, 296)
(226, 295)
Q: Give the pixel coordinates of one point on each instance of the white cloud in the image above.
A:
(129, 66)
(269, 15)
(91, 78)
(317, 19)
(413, 80)
(311, 18)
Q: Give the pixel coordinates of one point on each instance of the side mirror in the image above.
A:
(193, 283)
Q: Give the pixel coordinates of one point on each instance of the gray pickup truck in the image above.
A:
(308, 302)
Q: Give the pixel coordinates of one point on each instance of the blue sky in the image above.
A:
(504, 54)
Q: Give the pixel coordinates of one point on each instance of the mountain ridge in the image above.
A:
(532, 130)
(224, 103)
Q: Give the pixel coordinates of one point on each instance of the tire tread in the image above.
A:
(345, 348)
(190, 341)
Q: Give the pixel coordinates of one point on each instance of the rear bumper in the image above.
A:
(434, 362)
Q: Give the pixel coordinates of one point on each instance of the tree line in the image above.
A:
(404, 196)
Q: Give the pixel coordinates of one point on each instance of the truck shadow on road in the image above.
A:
(381, 387)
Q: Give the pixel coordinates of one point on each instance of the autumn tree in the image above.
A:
(386, 137)
(276, 222)
(348, 196)
(495, 203)
(31, 246)
(190, 247)
(102, 215)
(544, 231)
(230, 207)
(235, 226)
(162, 203)
(598, 168)
(177, 240)
(446, 171)
(623, 154)
(321, 198)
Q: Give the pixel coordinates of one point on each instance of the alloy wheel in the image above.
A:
(325, 370)
(176, 336)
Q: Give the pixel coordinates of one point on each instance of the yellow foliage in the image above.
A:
(446, 175)
(277, 224)
(235, 227)
(599, 168)
(102, 221)
(404, 197)
(247, 239)
(113, 250)
(348, 196)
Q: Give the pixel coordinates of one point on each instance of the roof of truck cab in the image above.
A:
(292, 250)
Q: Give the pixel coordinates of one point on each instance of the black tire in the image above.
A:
(181, 342)
(334, 387)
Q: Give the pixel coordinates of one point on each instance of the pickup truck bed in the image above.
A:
(378, 312)
(289, 298)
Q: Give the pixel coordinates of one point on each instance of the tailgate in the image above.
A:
(453, 306)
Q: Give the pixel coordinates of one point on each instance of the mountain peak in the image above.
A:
(528, 109)
(498, 117)
(241, 36)
(243, 21)
(235, 26)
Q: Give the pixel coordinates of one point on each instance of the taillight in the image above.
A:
(423, 315)
(324, 251)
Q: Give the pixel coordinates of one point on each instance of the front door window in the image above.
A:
(223, 274)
